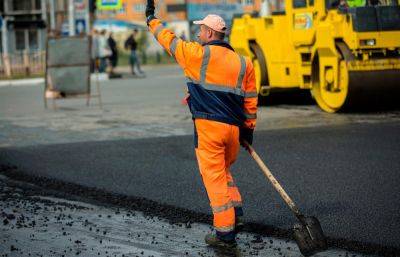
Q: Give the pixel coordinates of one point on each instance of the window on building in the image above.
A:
(22, 5)
(25, 5)
(33, 39)
(247, 2)
(20, 39)
(123, 9)
(139, 7)
(38, 5)
(26, 39)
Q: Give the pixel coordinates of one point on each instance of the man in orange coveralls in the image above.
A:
(223, 102)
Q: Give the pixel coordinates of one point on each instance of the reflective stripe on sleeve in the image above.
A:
(237, 204)
(158, 31)
(204, 64)
(173, 45)
(242, 72)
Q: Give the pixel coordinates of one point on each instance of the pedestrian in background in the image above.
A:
(223, 102)
(131, 44)
(104, 51)
(95, 51)
(113, 58)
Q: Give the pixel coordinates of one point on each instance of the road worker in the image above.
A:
(223, 102)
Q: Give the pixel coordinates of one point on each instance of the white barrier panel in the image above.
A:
(67, 65)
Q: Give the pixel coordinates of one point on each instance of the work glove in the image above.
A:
(245, 134)
(150, 10)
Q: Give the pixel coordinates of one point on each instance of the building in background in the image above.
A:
(27, 21)
(23, 36)
(179, 14)
(131, 15)
(23, 25)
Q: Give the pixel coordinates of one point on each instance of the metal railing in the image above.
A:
(22, 63)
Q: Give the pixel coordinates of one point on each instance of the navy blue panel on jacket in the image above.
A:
(215, 105)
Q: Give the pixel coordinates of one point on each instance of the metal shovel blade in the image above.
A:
(309, 236)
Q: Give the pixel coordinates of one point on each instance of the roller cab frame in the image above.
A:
(344, 56)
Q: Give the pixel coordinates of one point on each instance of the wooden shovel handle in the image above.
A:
(272, 179)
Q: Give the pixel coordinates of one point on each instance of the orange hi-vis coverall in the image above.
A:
(223, 97)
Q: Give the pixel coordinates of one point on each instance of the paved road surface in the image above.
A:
(139, 108)
(348, 176)
(36, 221)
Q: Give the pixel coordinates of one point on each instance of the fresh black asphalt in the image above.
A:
(348, 176)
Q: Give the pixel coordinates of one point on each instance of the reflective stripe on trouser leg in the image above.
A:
(234, 191)
(231, 153)
(223, 220)
(210, 155)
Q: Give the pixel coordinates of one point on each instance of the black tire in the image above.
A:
(259, 55)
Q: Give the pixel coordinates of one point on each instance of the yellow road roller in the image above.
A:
(346, 56)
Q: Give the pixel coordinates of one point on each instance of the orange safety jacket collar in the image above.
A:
(219, 43)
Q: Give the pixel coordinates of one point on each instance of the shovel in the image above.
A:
(308, 233)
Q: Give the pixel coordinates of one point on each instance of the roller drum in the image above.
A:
(373, 90)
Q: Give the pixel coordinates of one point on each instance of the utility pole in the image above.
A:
(87, 17)
(42, 34)
(52, 15)
(4, 34)
(43, 6)
(71, 18)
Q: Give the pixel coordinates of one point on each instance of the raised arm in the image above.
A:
(181, 50)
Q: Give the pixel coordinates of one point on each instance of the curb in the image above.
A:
(21, 82)
(35, 81)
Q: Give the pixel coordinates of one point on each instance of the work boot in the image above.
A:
(215, 241)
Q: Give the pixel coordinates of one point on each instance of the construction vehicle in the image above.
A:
(344, 56)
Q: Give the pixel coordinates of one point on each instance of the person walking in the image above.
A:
(95, 51)
(222, 98)
(113, 58)
(131, 45)
(104, 51)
